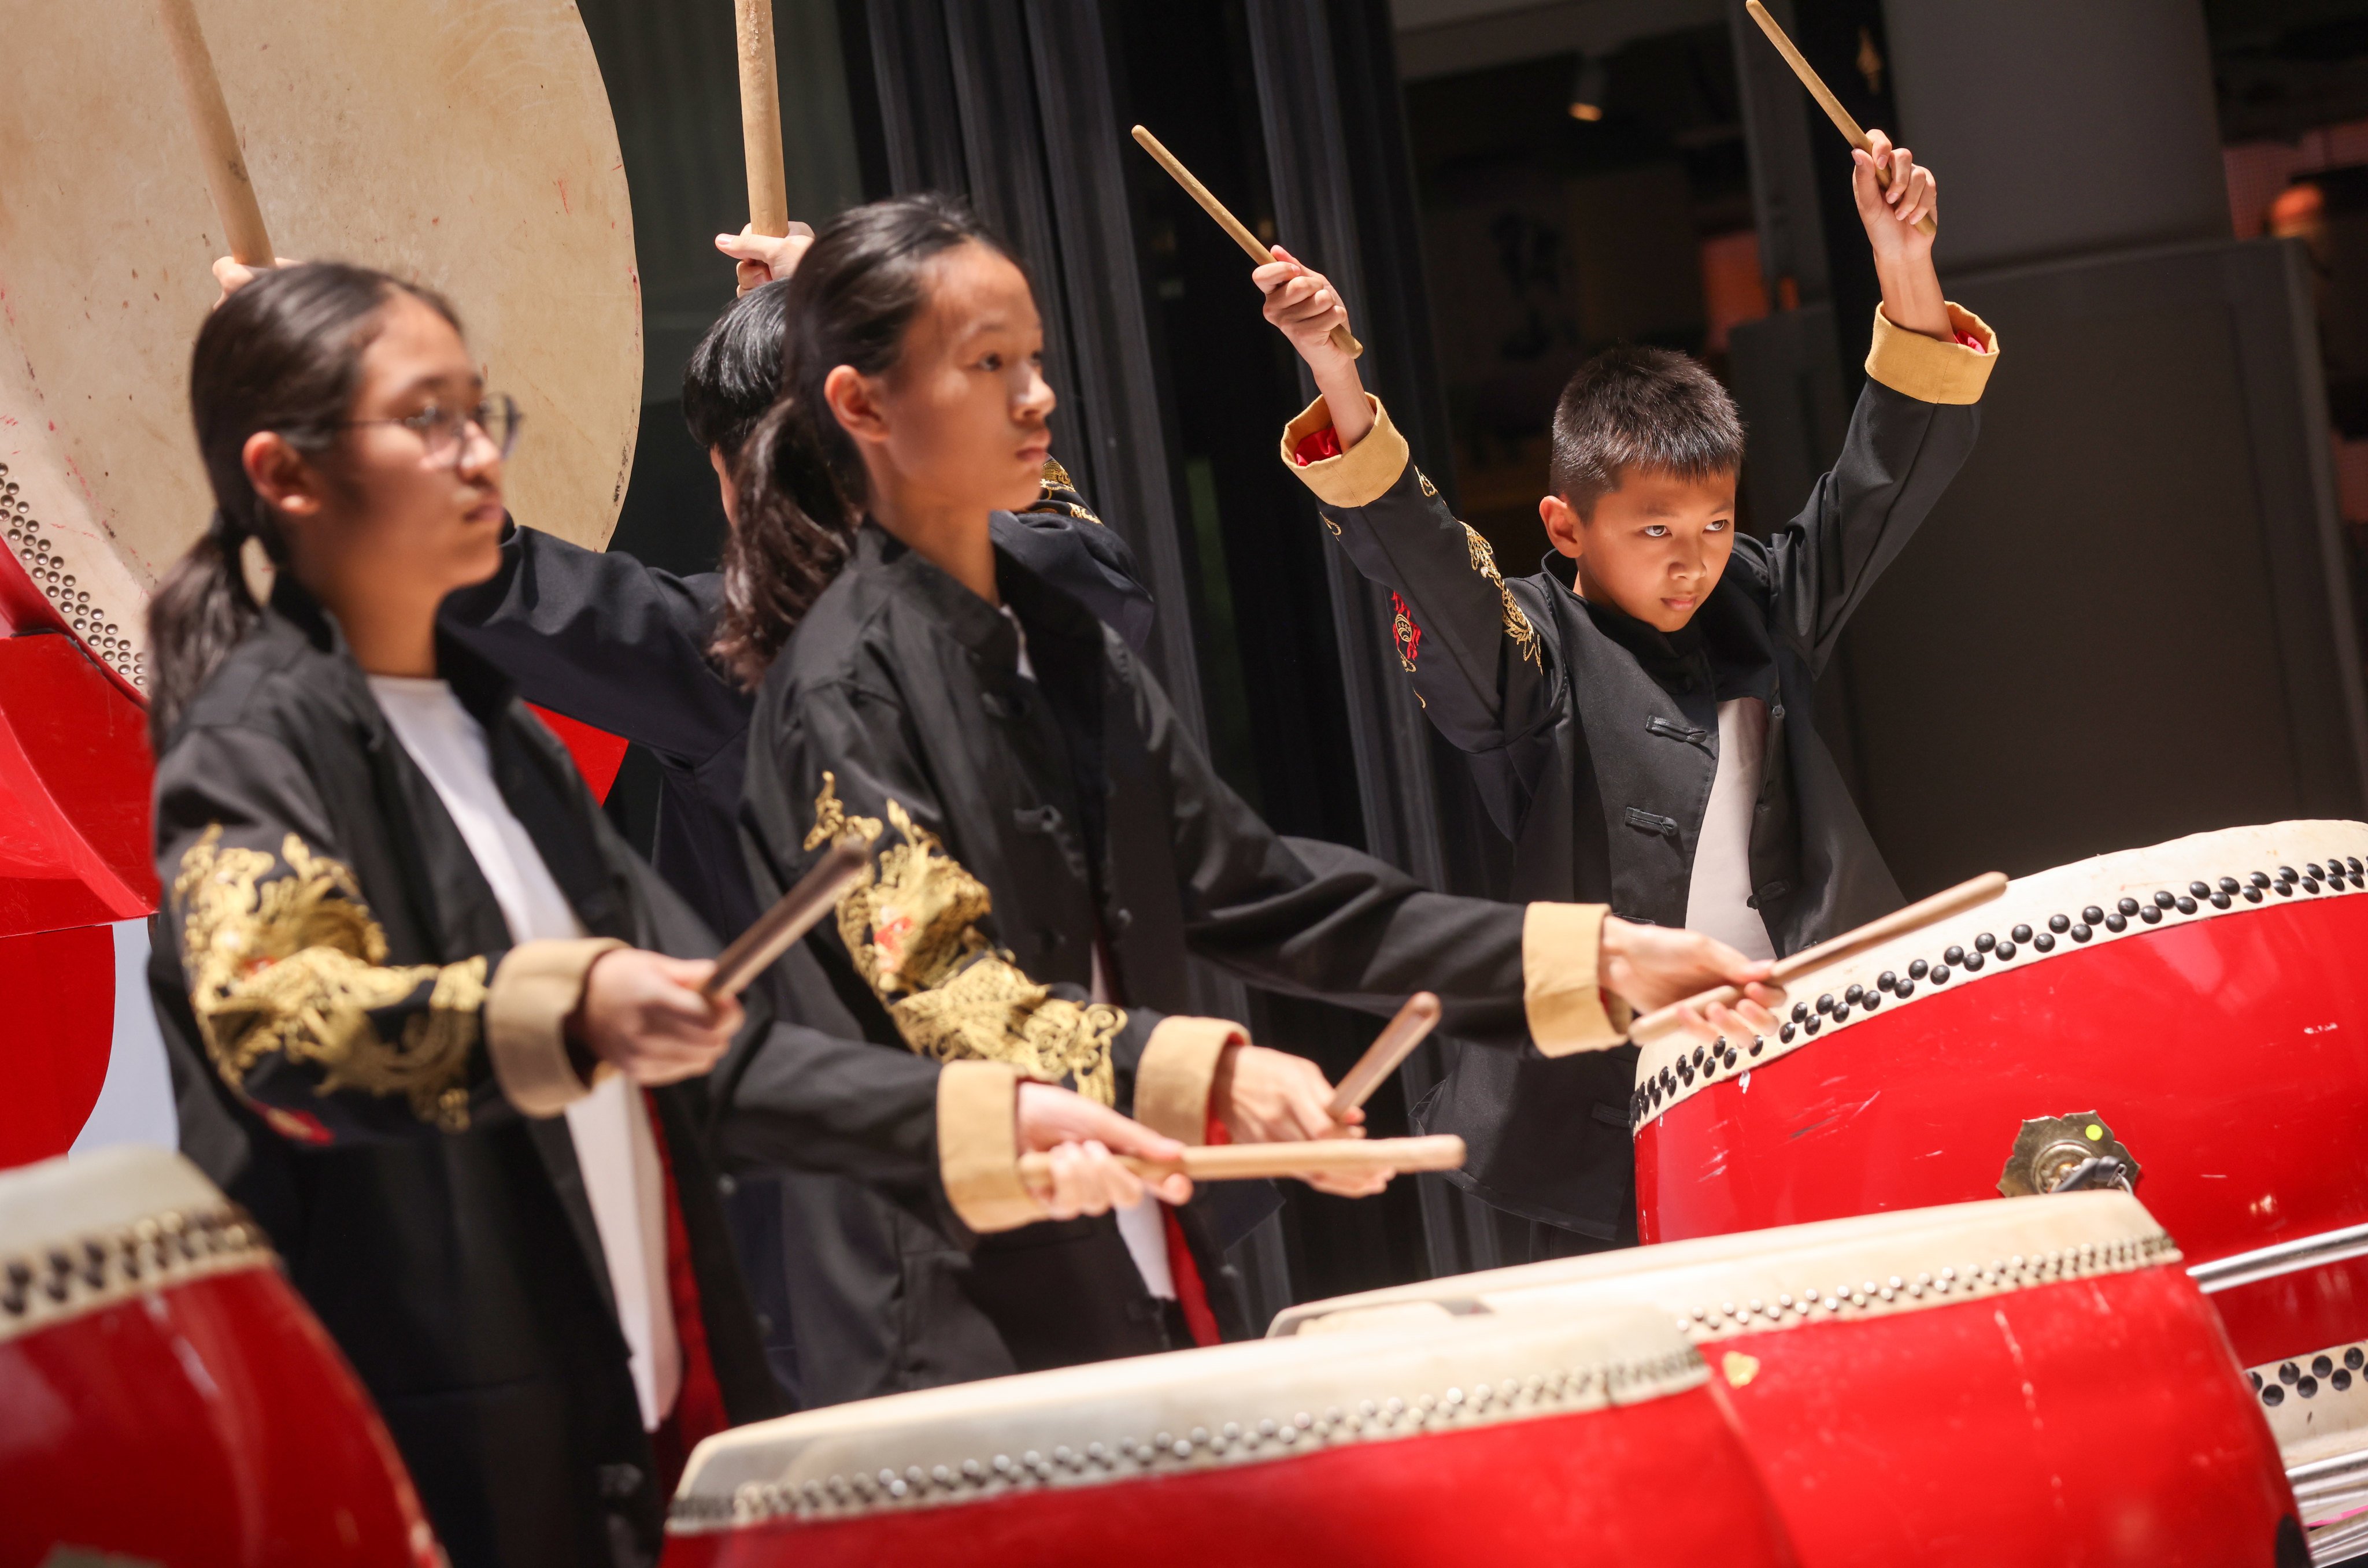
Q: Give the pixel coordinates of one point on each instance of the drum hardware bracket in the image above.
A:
(2066, 1153)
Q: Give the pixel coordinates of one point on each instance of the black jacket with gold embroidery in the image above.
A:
(1021, 828)
(1594, 738)
(605, 640)
(367, 1060)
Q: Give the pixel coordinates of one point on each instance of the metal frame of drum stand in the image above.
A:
(2339, 1475)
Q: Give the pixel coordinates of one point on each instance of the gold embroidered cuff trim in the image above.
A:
(537, 985)
(1928, 369)
(978, 1147)
(1179, 1068)
(1562, 946)
(1358, 477)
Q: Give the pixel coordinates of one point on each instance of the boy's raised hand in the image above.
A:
(1305, 308)
(1902, 252)
(1892, 212)
(760, 258)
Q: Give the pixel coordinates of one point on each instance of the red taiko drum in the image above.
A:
(2196, 1013)
(1505, 1442)
(164, 1397)
(2036, 1380)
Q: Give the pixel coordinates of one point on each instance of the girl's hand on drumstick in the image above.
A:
(763, 259)
(1305, 308)
(1649, 967)
(234, 275)
(1272, 1097)
(1902, 252)
(643, 1014)
(1085, 1141)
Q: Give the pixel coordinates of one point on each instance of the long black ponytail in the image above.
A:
(284, 353)
(800, 477)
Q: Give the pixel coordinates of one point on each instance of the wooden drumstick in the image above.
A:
(1655, 1026)
(226, 176)
(1393, 1045)
(760, 120)
(796, 913)
(1848, 127)
(1244, 1162)
(1342, 339)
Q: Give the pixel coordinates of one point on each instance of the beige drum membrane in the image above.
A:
(466, 144)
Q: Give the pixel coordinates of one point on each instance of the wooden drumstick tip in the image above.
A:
(760, 120)
(1844, 123)
(1342, 338)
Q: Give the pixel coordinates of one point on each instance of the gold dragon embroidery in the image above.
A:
(295, 966)
(911, 925)
(1517, 625)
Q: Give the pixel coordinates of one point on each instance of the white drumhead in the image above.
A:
(1189, 1410)
(464, 144)
(1834, 1270)
(2160, 879)
(82, 1232)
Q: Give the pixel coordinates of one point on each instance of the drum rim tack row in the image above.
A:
(72, 1277)
(1673, 1071)
(2125, 1239)
(1517, 1387)
(119, 651)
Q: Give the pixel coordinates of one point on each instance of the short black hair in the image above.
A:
(735, 372)
(1651, 409)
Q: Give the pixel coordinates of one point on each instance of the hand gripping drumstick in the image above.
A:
(226, 176)
(760, 120)
(1320, 1157)
(816, 894)
(1341, 338)
(1655, 1026)
(1826, 99)
(1392, 1046)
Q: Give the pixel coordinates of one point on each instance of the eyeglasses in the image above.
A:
(443, 432)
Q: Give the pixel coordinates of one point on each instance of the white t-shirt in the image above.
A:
(614, 1146)
(1718, 899)
(1144, 1228)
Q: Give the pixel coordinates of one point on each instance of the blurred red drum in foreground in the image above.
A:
(1986, 1383)
(2193, 1016)
(164, 1397)
(1507, 1443)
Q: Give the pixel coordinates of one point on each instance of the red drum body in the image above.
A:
(2199, 1009)
(1507, 1443)
(164, 1396)
(2036, 1380)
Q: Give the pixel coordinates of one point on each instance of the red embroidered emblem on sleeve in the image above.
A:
(1403, 632)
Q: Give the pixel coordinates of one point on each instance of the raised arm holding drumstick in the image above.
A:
(1641, 704)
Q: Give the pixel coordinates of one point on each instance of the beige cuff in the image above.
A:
(1561, 991)
(978, 1147)
(1173, 1080)
(537, 985)
(1360, 476)
(1928, 369)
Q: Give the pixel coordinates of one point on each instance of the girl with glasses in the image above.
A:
(456, 1058)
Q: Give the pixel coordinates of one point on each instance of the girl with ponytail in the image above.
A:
(418, 993)
(1049, 844)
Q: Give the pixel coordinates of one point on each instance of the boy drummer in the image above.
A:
(1638, 711)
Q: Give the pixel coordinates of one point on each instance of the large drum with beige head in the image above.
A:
(165, 1396)
(2189, 1020)
(1589, 1438)
(2026, 1381)
(466, 144)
